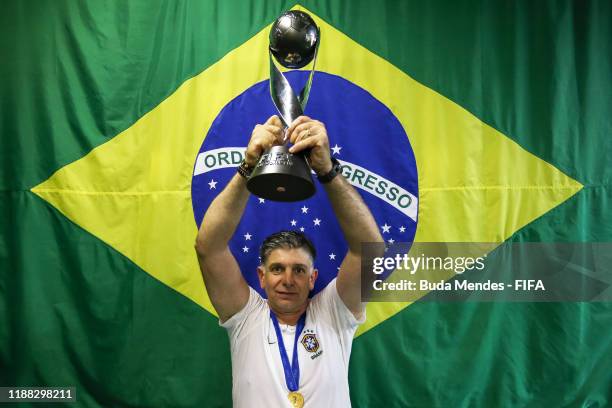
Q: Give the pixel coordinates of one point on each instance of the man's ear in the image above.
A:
(260, 274)
(313, 277)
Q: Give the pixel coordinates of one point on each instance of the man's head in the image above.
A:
(287, 271)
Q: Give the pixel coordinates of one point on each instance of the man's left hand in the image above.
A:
(306, 133)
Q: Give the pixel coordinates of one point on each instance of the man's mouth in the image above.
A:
(286, 294)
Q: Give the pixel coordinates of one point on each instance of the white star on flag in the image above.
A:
(332, 256)
(247, 236)
(336, 149)
(212, 184)
(304, 210)
(301, 229)
(293, 223)
(391, 241)
(385, 228)
(245, 249)
(261, 201)
(317, 222)
(402, 228)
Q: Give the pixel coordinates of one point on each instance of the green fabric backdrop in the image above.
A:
(73, 311)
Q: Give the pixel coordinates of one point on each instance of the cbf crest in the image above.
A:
(310, 342)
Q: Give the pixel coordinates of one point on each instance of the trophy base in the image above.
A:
(281, 187)
(281, 176)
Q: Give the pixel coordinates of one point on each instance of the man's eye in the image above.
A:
(300, 270)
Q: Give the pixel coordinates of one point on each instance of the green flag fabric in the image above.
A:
(83, 305)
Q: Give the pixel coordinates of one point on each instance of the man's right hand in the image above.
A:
(264, 137)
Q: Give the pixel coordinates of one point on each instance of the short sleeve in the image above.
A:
(239, 321)
(330, 306)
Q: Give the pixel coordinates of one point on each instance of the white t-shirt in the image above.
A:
(324, 348)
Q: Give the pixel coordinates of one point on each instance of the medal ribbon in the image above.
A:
(292, 369)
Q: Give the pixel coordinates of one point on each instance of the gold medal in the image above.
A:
(296, 399)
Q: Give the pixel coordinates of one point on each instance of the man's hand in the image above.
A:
(306, 133)
(263, 137)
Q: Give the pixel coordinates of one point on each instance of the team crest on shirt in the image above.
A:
(310, 342)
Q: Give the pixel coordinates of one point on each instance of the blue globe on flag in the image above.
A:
(364, 136)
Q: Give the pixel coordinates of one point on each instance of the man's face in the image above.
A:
(287, 277)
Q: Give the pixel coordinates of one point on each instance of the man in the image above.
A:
(289, 350)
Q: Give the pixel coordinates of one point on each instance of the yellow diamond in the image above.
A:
(134, 192)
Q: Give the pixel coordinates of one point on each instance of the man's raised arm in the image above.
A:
(226, 287)
(355, 219)
(358, 225)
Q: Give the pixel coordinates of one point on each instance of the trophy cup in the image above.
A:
(280, 175)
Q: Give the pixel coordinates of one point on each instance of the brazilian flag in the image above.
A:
(499, 128)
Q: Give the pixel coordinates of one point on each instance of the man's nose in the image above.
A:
(288, 277)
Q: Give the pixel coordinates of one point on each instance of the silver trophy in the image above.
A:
(280, 175)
